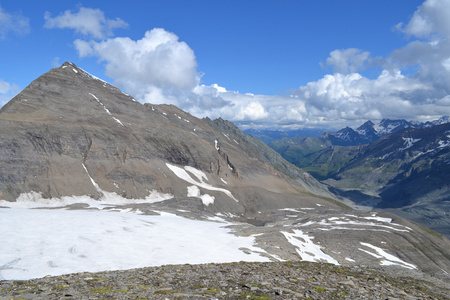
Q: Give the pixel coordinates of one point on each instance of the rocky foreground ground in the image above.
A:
(283, 280)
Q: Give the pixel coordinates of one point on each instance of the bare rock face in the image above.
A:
(70, 134)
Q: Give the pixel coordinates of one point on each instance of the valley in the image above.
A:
(404, 170)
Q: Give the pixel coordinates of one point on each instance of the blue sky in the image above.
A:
(283, 64)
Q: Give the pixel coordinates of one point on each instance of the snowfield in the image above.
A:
(40, 242)
(305, 247)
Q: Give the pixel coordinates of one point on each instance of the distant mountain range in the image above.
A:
(366, 133)
(397, 165)
(369, 132)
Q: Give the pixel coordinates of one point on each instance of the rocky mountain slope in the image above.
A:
(406, 171)
(288, 280)
(78, 149)
(68, 128)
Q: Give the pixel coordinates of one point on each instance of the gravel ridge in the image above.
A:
(242, 280)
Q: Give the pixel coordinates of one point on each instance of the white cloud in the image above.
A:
(246, 108)
(13, 23)
(353, 97)
(431, 18)
(87, 21)
(414, 82)
(4, 87)
(348, 60)
(56, 62)
(157, 66)
(7, 91)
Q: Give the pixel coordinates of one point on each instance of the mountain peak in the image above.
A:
(76, 128)
(68, 94)
(70, 140)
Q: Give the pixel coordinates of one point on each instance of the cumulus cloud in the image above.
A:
(7, 91)
(431, 18)
(87, 21)
(413, 83)
(13, 22)
(348, 60)
(4, 86)
(354, 97)
(157, 68)
(430, 52)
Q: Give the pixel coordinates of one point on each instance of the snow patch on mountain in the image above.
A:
(182, 174)
(353, 222)
(56, 241)
(216, 145)
(107, 110)
(408, 143)
(35, 200)
(197, 173)
(194, 191)
(306, 248)
(386, 258)
(444, 143)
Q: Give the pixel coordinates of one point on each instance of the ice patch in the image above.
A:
(207, 199)
(379, 219)
(55, 242)
(293, 210)
(182, 174)
(387, 259)
(216, 145)
(349, 259)
(193, 191)
(107, 110)
(197, 173)
(408, 143)
(443, 144)
(92, 76)
(117, 120)
(35, 200)
(365, 225)
(305, 247)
